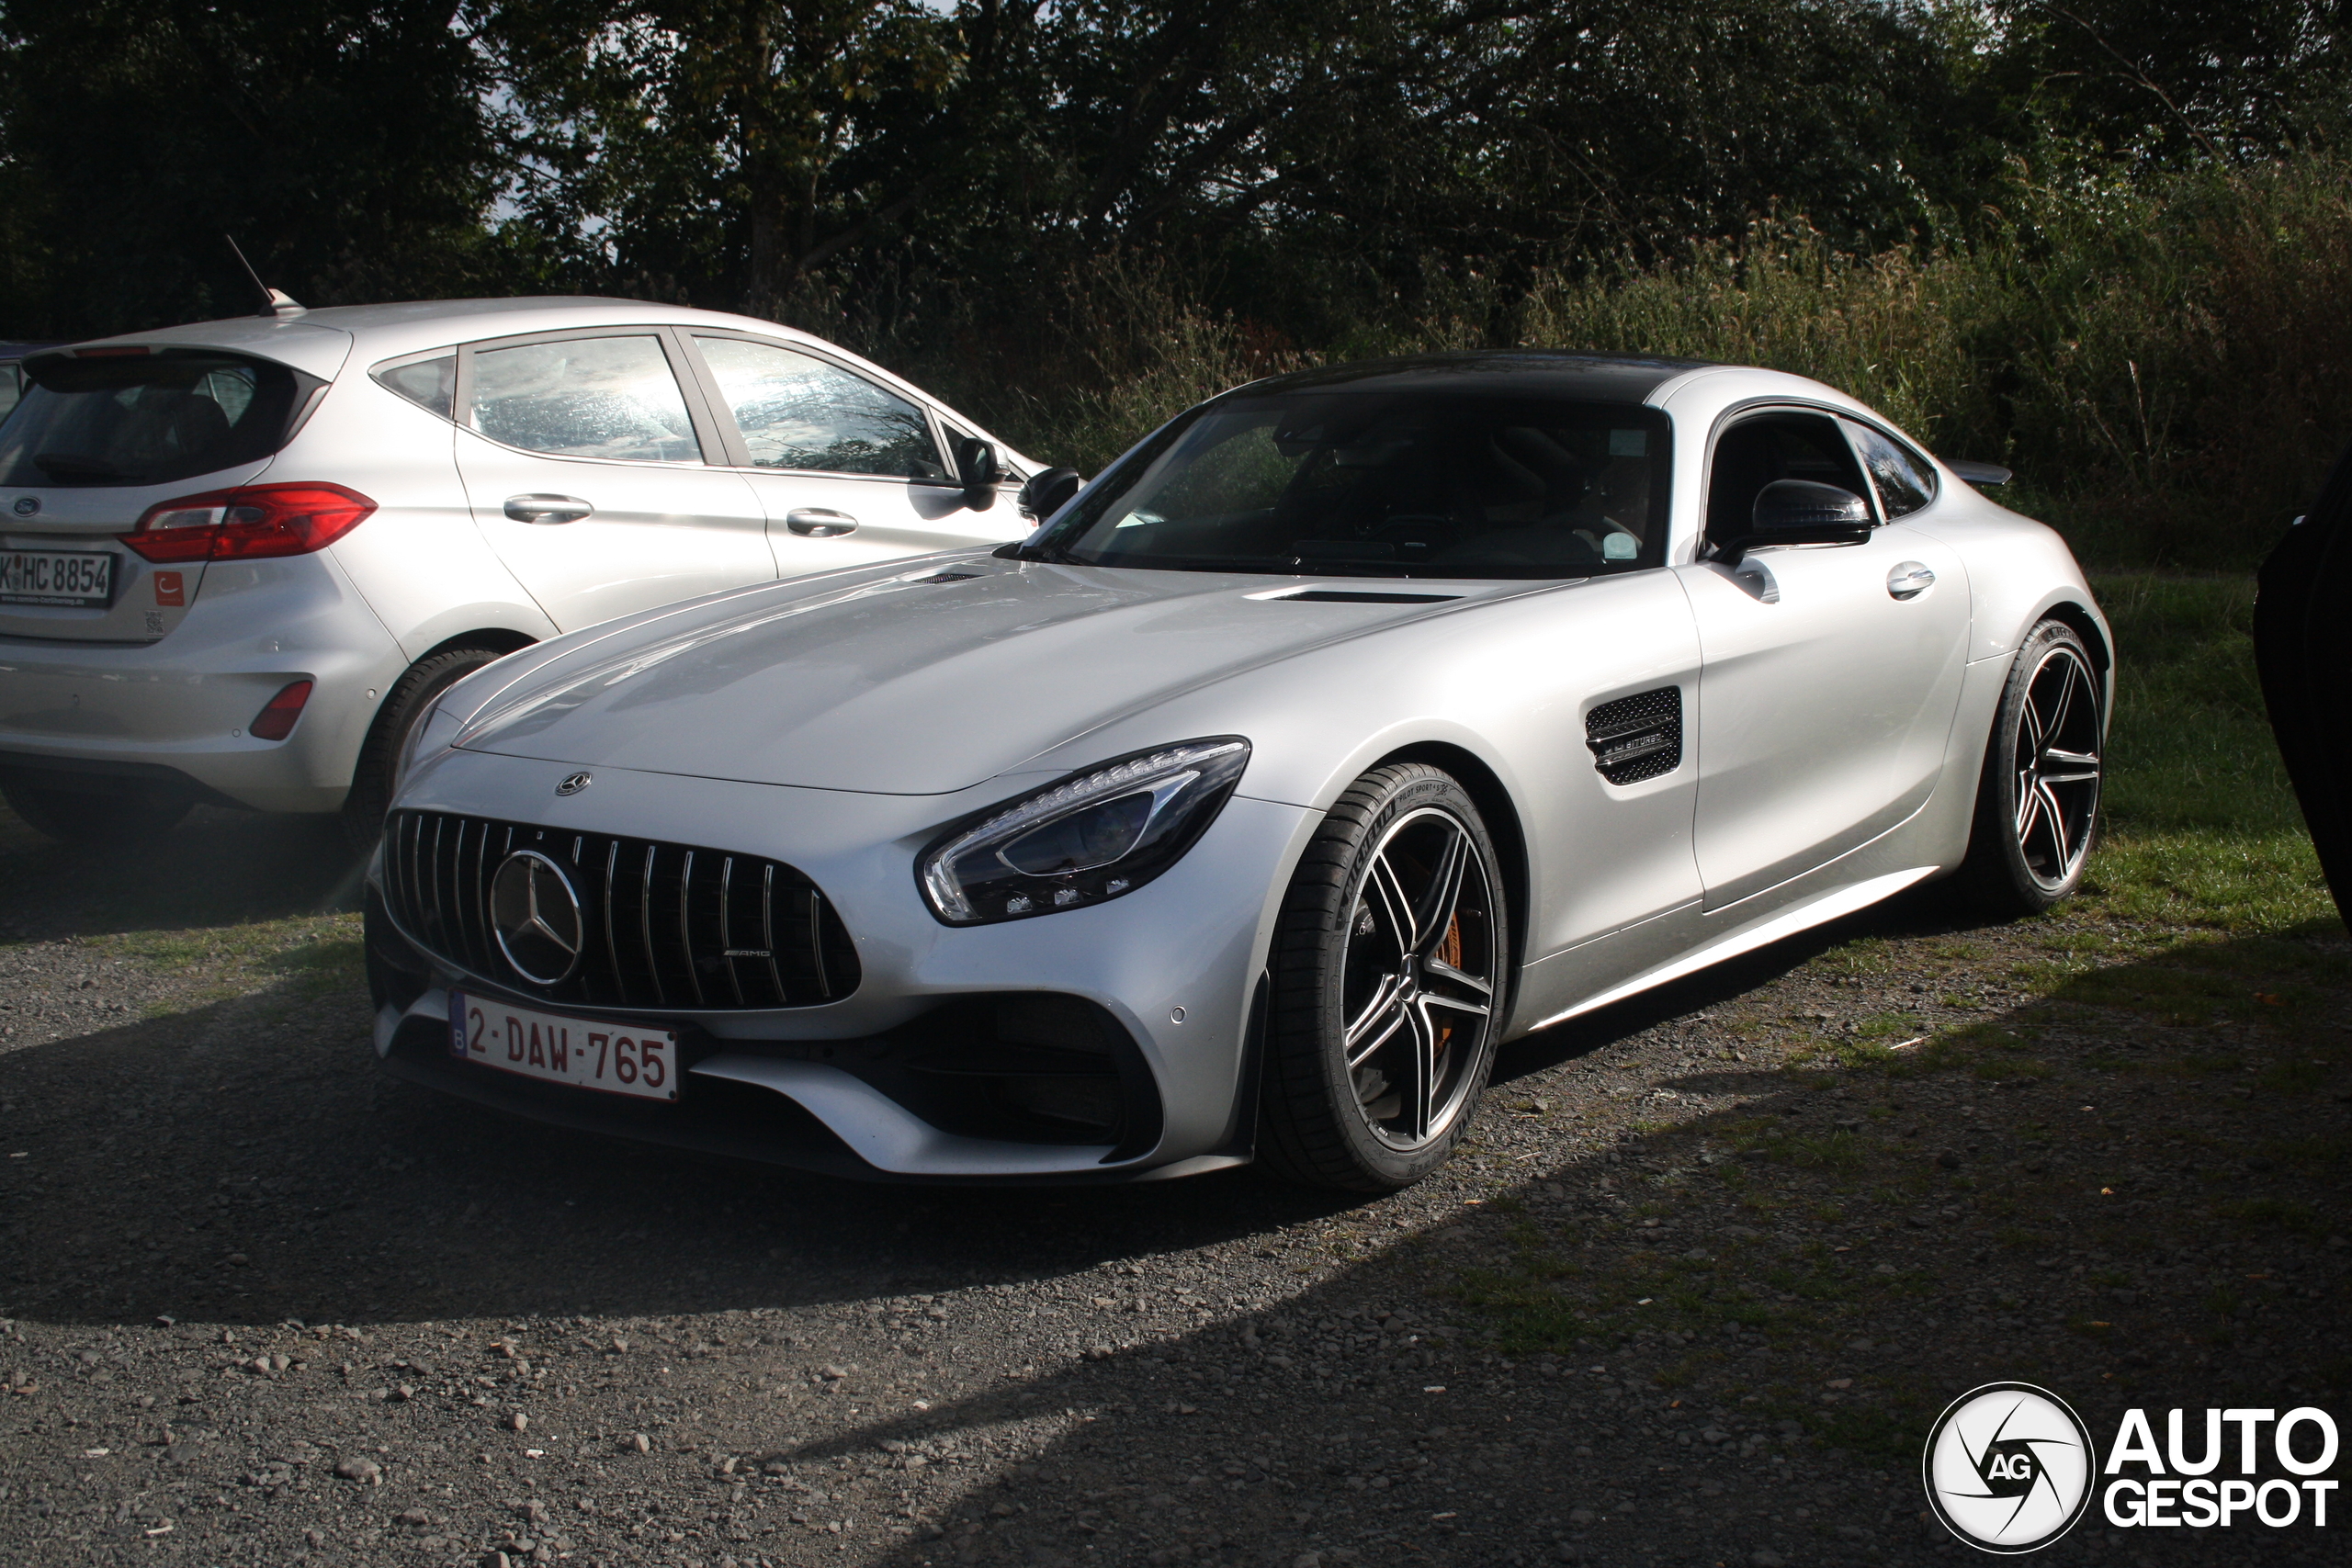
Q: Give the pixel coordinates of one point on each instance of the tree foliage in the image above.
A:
(894, 167)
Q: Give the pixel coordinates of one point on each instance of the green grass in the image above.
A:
(2201, 827)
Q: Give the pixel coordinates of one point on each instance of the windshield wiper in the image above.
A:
(66, 466)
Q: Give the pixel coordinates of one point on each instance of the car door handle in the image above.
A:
(547, 508)
(1909, 579)
(819, 523)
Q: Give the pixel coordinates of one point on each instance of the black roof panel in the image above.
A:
(1598, 378)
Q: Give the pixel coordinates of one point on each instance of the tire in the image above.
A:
(410, 698)
(2037, 802)
(1391, 959)
(97, 817)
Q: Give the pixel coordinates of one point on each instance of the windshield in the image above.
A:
(1414, 484)
(143, 419)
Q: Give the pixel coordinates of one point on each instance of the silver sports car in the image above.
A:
(1353, 724)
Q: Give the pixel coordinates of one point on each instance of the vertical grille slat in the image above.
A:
(645, 923)
(683, 921)
(817, 943)
(767, 933)
(727, 926)
(685, 926)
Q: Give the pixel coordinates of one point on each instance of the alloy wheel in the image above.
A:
(1419, 980)
(2057, 764)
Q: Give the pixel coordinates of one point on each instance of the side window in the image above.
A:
(1905, 480)
(11, 386)
(797, 412)
(430, 384)
(1757, 451)
(589, 396)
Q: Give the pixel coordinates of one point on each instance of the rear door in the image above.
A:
(598, 476)
(847, 470)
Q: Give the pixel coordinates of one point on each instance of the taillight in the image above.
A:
(249, 523)
(275, 721)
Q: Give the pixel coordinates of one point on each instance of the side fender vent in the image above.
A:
(1636, 737)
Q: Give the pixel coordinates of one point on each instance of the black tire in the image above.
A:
(409, 699)
(1395, 914)
(2037, 801)
(97, 814)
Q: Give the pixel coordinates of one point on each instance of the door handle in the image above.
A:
(819, 523)
(547, 508)
(1909, 579)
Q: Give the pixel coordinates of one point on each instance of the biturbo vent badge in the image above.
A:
(573, 784)
(535, 914)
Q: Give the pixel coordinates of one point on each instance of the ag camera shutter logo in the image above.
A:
(2009, 1467)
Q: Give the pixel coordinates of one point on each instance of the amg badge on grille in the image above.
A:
(573, 784)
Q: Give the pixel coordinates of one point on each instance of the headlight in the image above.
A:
(1085, 841)
(428, 735)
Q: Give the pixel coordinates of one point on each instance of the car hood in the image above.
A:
(911, 682)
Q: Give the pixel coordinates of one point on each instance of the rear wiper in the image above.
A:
(65, 466)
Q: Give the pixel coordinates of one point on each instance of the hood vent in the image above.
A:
(1354, 596)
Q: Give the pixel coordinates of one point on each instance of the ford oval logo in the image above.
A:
(573, 784)
(27, 506)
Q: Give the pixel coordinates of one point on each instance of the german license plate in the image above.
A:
(620, 1059)
(83, 579)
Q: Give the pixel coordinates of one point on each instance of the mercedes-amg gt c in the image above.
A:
(1351, 725)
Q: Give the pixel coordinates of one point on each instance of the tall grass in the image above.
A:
(2167, 364)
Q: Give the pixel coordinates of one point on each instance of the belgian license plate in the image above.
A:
(620, 1059)
(83, 579)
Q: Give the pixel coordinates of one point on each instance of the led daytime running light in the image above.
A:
(1186, 781)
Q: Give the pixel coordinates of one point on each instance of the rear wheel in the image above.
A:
(94, 813)
(410, 698)
(1389, 972)
(2037, 804)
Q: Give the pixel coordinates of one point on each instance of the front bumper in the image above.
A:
(173, 714)
(862, 1086)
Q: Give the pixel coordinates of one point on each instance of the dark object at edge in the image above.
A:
(2302, 646)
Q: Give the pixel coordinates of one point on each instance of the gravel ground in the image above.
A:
(1712, 1264)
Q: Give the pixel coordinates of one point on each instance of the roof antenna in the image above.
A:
(273, 301)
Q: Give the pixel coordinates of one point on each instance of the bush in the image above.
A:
(2167, 364)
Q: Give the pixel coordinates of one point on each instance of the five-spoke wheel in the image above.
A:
(1388, 983)
(2037, 809)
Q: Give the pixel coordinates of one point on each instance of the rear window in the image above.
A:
(144, 419)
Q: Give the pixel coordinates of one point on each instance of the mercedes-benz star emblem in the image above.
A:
(27, 506)
(573, 784)
(2009, 1468)
(535, 914)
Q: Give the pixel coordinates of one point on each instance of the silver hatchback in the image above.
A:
(241, 558)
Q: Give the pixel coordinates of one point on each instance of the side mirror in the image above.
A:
(977, 470)
(1048, 493)
(1800, 511)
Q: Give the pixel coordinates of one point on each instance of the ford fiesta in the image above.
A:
(1351, 725)
(239, 560)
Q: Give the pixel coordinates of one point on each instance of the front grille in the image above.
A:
(1636, 737)
(662, 925)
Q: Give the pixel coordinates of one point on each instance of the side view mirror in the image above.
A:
(1801, 512)
(977, 470)
(1048, 493)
